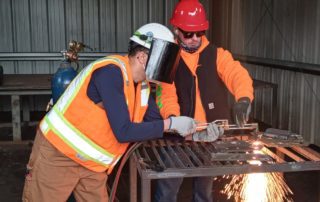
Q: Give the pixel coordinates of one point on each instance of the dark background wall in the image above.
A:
(286, 30)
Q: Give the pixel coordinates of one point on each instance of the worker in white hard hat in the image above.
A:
(105, 107)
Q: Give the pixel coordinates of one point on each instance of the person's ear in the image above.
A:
(142, 57)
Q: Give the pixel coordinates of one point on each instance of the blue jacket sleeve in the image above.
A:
(152, 112)
(106, 85)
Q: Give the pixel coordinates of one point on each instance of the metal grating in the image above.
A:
(165, 158)
(190, 159)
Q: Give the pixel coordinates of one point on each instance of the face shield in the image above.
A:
(162, 61)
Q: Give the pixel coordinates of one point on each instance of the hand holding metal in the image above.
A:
(224, 123)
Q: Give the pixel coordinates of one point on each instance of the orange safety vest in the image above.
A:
(79, 128)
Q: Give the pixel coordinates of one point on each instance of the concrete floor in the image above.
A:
(13, 158)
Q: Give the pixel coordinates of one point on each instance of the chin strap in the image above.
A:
(188, 49)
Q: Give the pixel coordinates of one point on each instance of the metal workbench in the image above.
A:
(15, 85)
(225, 157)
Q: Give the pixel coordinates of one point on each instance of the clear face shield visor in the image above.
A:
(163, 61)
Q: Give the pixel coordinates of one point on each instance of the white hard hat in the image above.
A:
(146, 33)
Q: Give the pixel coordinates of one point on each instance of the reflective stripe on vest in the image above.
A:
(75, 139)
(70, 135)
(145, 92)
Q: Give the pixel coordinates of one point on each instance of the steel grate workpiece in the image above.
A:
(159, 159)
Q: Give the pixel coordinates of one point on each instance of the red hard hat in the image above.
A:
(189, 15)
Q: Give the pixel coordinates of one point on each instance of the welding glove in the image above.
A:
(183, 125)
(241, 111)
(212, 133)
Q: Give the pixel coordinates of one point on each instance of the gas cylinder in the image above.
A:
(66, 73)
(61, 79)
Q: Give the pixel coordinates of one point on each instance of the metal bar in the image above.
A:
(27, 92)
(145, 190)
(215, 148)
(290, 154)
(57, 56)
(273, 155)
(184, 155)
(138, 155)
(157, 155)
(167, 156)
(174, 154)
(145, 153)
(305, 153)
(195, 158)
(312, 151)
(133, 178)
(210, 147)
(233, 170)
(280, 64)
(204, 156)
(236, 157)
(16, 121)
(209, 151)
(29, 123)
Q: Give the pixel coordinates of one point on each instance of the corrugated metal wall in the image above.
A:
(34, 26)
(48, 25)
(284, 30)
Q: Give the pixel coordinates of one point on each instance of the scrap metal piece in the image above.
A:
(235, 146)
(153, 165)
(281, 137)
(239, 157)
(281, 134)
(224, 123)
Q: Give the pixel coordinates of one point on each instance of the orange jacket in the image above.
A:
(79, 128)
(234, 76)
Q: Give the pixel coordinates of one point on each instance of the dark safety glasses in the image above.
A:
(188, 35)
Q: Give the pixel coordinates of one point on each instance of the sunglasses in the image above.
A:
(188, 35)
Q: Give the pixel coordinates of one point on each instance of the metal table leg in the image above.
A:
(145, 190)
(133, 179)
(16, 121)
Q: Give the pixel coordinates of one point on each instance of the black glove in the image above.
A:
(241, 111)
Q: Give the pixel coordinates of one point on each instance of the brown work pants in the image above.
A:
(52, 176)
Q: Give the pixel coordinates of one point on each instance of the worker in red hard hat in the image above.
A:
(205, 75)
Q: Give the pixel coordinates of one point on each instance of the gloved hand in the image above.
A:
(183, 125)
(241, 111)
(211, 134)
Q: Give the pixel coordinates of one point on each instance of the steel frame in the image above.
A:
(192, 159)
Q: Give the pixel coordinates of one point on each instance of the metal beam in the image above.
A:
(280, 64)
(50, 56)
(57, 56)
